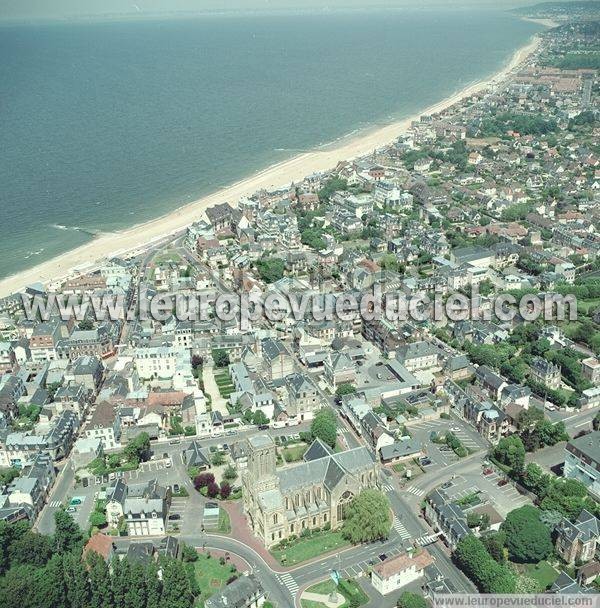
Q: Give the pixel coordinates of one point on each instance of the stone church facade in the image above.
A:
(309, 495)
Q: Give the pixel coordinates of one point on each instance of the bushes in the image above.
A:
(488, 575)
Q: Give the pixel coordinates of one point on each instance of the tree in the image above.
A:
(196, 361)
(138, 450)
(344, 389)
(510, 451)
(596, 422)
(218, 459)
(367, 517)
(488, 575)
(225, 490)
(527, 538)
(494, 544)
(67, 534)
(408, 599)
(529, 418)
(98, 519)
(189, 554)
(176, 592)
(220, 357)
(153, 587)
(270, 270)
(76, 581)
(212, 490)
(32, 549)
(536, 480)
(230, 473)
(203, 480)
(100, 582)
(259, 418)
(51, 588)
(324, 426)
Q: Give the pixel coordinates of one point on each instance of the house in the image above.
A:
(399, 571)
(490, 381)
(303, 396)
(220, 216)
(577, 541)
(243, 592)
(30, 491)
(339, 369)
(115, 501)
(86, 449)
(195, 457)
(418, 356)
(582, 461)
(590, 368)
(277, 362)
(545, 372)
(102, 544)
(145, 509)
(446, 517)
(400, 451)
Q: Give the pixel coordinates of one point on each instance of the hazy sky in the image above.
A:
(60, 9)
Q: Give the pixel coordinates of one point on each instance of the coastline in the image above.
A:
(142, 236)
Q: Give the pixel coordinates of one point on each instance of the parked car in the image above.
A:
(175, 516)
(175, 442)
(176, 488)
(75, 501)
(71, 510)
(502, 482)
(168, 464)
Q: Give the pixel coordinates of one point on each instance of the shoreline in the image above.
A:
(143, 236)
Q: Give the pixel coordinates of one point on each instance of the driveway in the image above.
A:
(218, 403)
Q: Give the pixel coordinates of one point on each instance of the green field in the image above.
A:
(211, 576)
(306, 548)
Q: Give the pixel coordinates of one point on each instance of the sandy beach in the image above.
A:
(84, 258)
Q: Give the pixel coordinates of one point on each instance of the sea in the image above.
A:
(107, 124)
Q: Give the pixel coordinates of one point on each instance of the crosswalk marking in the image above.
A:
(54, 503)
(400, 528)
(415, 491)
(290, 584)
(387, 487)
(427, 540)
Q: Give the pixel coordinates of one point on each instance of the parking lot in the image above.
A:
(503, 497)
(439, 454)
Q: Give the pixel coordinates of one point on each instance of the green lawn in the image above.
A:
(211, 576)
(349, 588)
(304, 549)
(542, 572)
(294, 453)
(224, 522)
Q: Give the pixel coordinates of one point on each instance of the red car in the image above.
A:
(502, 482)
(488, 471)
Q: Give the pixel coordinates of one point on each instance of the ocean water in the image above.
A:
(106, 125)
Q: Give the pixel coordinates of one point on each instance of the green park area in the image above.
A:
(212, 573)
(298, 550)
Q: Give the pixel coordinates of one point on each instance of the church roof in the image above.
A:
(328, 470)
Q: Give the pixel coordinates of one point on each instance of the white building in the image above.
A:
(396, 572)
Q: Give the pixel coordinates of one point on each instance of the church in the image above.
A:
(308, 495)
